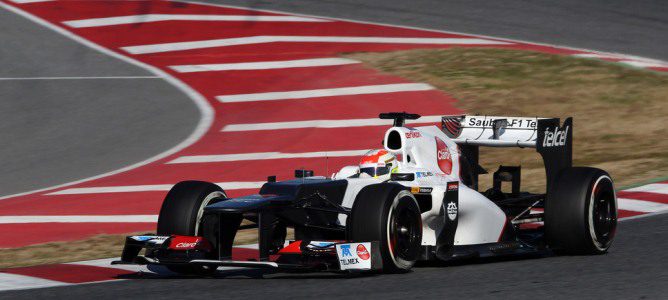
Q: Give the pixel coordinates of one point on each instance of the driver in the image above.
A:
(378, 164)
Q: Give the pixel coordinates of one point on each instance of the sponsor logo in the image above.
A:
(452, 126)
(423, 174)
(347, 257)
(185, 245)
(150, 239)
(555, 138)
(413, 134)
(421, 190)
(425, 190)
(522, 123)
(349, 261)
(452, 211)
(444, 154)
(142, 238)
(452, 186)
(180, 242)
(321, 244)
(362, 252)
(355, 256)
(512, 123)
(345, 250)
(444, 158)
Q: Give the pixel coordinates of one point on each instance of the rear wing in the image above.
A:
(553, 141)
(492, 131)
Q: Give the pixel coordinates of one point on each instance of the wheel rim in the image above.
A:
(206, 202)
(603, 213)
(404, 228)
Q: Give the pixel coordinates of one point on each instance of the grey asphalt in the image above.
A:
(636, 266)
(54, 131)
(636, 27)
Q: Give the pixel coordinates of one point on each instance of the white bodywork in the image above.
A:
(434, 159)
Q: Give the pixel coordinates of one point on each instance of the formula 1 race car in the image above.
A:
(428, 207)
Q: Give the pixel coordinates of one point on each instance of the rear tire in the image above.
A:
(581, 212)
(181, 213)
(388, 213)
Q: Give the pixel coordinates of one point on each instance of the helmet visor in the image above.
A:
(375, 171)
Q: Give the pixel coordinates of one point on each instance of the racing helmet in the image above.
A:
(378, 163)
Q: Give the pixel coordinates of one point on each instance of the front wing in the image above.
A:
(296, 256)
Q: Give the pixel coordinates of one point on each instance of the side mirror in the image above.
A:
(303, 173)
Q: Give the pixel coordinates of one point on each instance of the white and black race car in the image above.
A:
(428, 209)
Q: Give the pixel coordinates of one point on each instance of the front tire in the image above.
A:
(581, 212)
(184, 205)
(182, 212)
(388, 213)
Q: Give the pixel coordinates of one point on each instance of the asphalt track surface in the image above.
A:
(636, 266)
(628, 27)
(60, 123)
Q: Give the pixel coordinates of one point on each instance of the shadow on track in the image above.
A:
(162, 273)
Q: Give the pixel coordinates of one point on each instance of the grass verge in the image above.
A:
(619, 112)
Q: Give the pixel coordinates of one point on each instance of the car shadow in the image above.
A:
(246, 273)
(159, 272)
(483, 260)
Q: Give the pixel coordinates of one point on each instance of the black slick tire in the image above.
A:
(183, 207)
(581, 212)
(181, 212)
(388, 213)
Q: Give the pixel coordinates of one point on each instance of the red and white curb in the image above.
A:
(274, 96)
(93, 271)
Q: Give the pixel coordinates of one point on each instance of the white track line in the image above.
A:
(323, 124)
(29, 1)
(106, 263)
(151, 188)
(344, 91)
(599, 55)
(135, 19)
(264, 65)
(640, 205)
(643, 64)
(21, 282)
(659, 188)
(206, 111)
(79, 78)
(79, 219)
(166, 47)
(634, 61)
(263, 156)
(602, 55)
